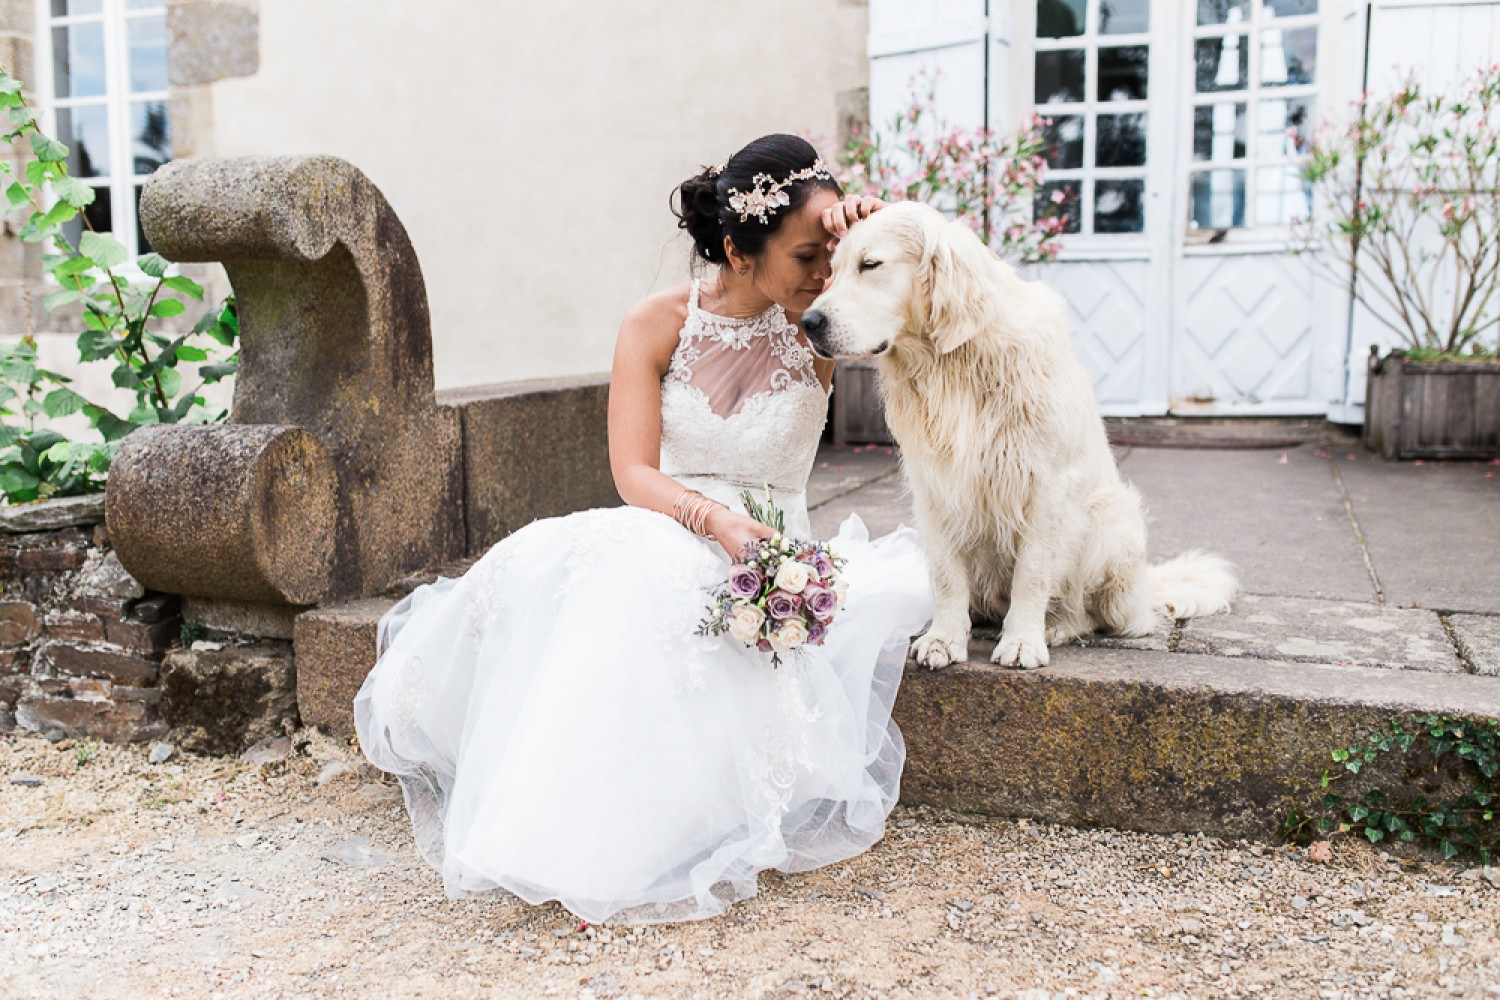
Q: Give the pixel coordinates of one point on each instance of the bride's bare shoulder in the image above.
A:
(656, 320)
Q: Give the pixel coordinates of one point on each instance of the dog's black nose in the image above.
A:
(814, 322)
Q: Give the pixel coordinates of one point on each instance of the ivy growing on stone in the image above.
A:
(117, 306)
(1462, 821)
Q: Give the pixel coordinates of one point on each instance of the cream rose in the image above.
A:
(841, 591)
(744, 622)
(793, 576)
(791, 635)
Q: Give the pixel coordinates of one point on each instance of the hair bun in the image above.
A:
(697, 211)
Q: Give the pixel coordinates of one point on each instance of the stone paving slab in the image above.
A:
(1431, 530)
(1284, 525)
(840, 469)
(883, 503)
(1479, 640)
(1332, 632)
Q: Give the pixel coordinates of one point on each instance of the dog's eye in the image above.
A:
(868, 265)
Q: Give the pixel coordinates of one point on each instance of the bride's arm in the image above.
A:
(648, 336)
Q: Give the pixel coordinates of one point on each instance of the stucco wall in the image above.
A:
(530, 147)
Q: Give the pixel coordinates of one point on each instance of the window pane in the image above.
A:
(1064, 142)
(63, 8)
(1123, 17)
(85, 131)
(1223, 11)
(1291, 8)
(1059, 18)
(1059, 76)
(1059, 198)
(148, 53)
(1120, 141)
(98, 214)
(1288, 57)
(1221, 63)
(1122, 73)
(150, 144)
(1283, 129)
(145, 4)
(1218, 200)
(1281, 196)
(1119, 207)
(78, 60)
(1219, 132)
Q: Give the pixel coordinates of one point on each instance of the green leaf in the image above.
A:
(9, 435)
(18, 483)
(153, 264)
(61, 402)
(9, 84)
(103, 249)
(124, 377)
(62, 297)
(21, 115)
(186, 352)
(113, 428)
(168, 307)
(1374, 834)
(17, 195)
(74, 191)
(60, 453)
(47, 149)
(71, 267)
(39, 172)
(213, 373)
(95, 345)
(184, 285)
(171, 381)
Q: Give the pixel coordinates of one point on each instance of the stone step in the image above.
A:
(1136, 738)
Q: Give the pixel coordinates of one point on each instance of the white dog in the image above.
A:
(1017, 497)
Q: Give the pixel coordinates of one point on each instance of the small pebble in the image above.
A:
(55, 735)
(26, 780)
(161, 753)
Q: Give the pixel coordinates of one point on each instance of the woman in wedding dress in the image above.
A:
(559, 728)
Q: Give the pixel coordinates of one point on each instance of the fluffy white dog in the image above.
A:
(1017, 497)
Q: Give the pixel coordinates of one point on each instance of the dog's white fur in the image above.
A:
(1020, 505)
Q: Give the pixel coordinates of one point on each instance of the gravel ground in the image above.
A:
(290, 873)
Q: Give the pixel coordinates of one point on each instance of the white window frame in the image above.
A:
(1087, 176)
(123, 181)
(1252, 233)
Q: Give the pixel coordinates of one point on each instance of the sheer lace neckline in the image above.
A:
(773, 311)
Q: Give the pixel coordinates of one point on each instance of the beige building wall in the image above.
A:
(529, 147)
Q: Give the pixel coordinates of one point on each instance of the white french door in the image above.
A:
(1176, 128)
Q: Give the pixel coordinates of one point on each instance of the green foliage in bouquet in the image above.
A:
(117, 307)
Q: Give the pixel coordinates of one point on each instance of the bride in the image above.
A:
(559, 728)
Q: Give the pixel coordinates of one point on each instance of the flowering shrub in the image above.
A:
(116, 312)
(986, 179)
(1410, 195)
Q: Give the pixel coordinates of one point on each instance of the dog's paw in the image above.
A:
(936, 651)
(1025, 651)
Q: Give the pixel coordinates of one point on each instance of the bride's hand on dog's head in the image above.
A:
(837, 218)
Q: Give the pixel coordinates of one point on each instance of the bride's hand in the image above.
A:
(838, 218)
(734, 530)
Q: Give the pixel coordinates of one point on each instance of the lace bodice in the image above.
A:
(741, 406)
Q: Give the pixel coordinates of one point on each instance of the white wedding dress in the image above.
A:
(561, 732)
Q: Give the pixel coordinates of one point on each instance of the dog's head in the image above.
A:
(905, 272)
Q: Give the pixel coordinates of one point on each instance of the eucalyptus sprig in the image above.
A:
(766, 513)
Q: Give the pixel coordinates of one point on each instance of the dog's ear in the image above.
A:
(958, 272)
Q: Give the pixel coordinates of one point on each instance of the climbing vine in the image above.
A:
(1460, 821)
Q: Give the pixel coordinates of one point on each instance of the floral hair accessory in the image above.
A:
(770, 194)
(717, 168)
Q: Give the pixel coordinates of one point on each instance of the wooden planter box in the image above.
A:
(858, 414)
(1432, 409)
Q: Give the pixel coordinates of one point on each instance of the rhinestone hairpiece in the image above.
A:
(770, 194)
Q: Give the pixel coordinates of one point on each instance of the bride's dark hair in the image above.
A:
(701, 203)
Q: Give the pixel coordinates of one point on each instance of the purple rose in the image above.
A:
(821, 602)
(816, 634)
(744, 581)
(822, 564)
(781, 605)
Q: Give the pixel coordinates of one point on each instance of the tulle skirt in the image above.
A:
(560, 731)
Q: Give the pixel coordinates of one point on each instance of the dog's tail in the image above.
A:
(1192, 585)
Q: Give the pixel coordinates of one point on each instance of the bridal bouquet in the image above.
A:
(781, 594)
